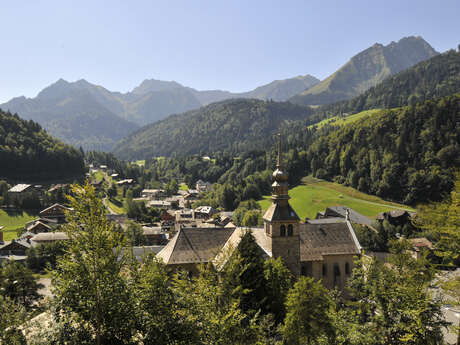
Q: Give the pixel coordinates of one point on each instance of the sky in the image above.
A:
(217, 44)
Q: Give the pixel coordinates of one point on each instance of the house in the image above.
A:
(154, 236)
(162, 204)
(153, 193)
(56, 211)
(57, 187)
(15, 250)
(38, 226)
(324, 249)
(125, 182)
(204, 212)
(420, 246)
(48, 237)
(395, 217)
(203, 187)
(341, 212)
(21, 188)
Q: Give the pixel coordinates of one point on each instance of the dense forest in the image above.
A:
(28, 152)
(234, 125)
(407, 154)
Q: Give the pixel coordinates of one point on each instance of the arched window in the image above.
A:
(347, 268)
(290, 230)
(283, 230)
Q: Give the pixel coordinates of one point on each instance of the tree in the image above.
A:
(307, 313)
(12, 315)
(134, 234)
(251, 218)
(172, 187)
(160, 321)
(394, 302)
(278, 283)
(244, 276)
(205, 303)
(452, 289)
(18, 283)
(442, 222)
(90, 288)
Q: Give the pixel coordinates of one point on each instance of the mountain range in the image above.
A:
(367, 69)
(90, 116)
(241, 125)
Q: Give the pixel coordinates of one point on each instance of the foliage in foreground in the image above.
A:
(103, 297)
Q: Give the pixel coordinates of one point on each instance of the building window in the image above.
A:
(324, 270)
(336, 270)
(347, 268)
(303, 271)
(290, 230)
(283, 230)
(336, 274)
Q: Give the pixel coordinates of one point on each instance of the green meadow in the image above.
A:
(14, 221)
(315, 195)
(340, 120)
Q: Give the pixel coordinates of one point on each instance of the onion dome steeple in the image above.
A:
(280, 186)
(280, 208)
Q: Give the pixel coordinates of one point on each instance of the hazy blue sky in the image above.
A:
(216, 44)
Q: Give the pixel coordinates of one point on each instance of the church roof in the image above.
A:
(234, 240)
(327, 238)
(194, 245)
(277, 211)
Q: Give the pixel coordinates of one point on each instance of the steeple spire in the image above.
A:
(278, 162)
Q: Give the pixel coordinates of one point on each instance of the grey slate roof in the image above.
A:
(327, 238)
(194, 245)
(355, 217)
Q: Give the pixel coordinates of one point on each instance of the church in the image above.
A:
(321, 248)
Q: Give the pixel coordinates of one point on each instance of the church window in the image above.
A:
(290, 230)
(283, 230)
(324, 270)
(347, 268)
(336, 274)
(336, 270)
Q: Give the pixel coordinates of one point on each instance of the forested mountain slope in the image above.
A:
(28, 152)
(406, 154)
(234, 125)
(367, 69)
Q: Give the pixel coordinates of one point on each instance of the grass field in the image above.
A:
(315, 195)
(13, 221)
(340, 121)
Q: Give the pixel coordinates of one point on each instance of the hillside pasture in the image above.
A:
(315, 195)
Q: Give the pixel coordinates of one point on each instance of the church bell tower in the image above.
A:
(281, 223)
